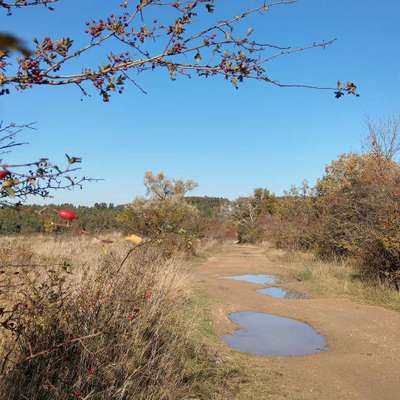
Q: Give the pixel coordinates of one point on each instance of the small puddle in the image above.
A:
(261, 279)
(269, 335)
(281, 293)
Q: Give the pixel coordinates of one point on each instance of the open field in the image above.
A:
(78, 322)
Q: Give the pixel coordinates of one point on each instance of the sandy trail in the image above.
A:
(363, 361)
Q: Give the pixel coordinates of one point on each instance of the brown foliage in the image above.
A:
(292, 225)
(114, 334)
(251, 214)
(354, 211)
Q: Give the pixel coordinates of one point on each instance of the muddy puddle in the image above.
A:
(269, 335)
(281, 293)
(260, 279)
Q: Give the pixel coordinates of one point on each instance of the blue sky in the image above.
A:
(230, 141)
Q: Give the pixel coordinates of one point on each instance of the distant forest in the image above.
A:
(101, 217)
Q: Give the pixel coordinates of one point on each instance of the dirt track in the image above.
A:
(363, 361)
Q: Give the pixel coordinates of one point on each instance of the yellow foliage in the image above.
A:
(134, 239)
(10, 183)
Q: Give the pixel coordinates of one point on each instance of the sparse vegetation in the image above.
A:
(333, 278)
(87, 327)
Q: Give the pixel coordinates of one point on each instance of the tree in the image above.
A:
(164, 215)
(294, 221)
(358, 210)
(181, 37)
(384, 137)
(160, 187)
(14, 4)
(249, 215)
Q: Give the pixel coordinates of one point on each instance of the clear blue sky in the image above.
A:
(229, 141)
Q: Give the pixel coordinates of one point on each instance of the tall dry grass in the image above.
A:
(77, 324)
(338, 277)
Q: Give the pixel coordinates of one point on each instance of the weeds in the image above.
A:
(97, 334)
(338, 278)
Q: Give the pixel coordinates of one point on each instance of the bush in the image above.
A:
(379, 259)
(353, 211)
(121, 333)
(38, 219)
(293, 224)
(358, 207)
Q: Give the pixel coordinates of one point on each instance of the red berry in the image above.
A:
(4, 173)
(66, 214)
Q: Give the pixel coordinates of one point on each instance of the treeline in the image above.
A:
(353, 210)
(29, 219)
(101, 217)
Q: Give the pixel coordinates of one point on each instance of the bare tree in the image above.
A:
(383, 138)
(160, 187)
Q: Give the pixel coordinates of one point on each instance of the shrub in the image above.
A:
(293, 224)
(359, 212)
(353, 211)
(379, 259)
(349, 199)
(121, 333)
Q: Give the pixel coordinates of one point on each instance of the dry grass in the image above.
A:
(334, 278)
(75, 325)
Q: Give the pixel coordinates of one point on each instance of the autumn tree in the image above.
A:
(294, 221)
(358, 206)
(249, 214)
(164, 214)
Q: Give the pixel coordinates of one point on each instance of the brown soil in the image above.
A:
(363, 361)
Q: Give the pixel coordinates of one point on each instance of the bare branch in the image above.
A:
(169, 43)
(13, 4)
(384, 137)
(38, 178)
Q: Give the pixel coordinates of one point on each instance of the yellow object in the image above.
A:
(134, 239)
(10, 183)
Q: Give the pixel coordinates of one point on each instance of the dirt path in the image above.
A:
(363, 361)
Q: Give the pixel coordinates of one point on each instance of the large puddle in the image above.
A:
(281, 293)
(269, 335)
(260, 279)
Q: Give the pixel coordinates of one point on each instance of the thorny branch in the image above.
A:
(37, 178)
(13, 4)
(145, 38)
